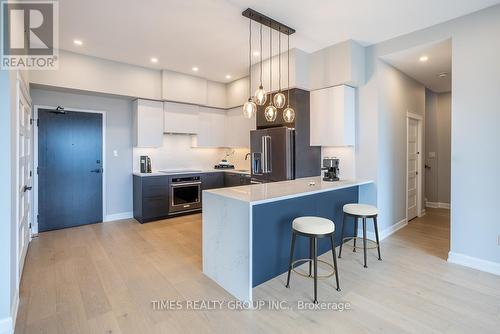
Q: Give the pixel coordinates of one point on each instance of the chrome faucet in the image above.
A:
(247, 155)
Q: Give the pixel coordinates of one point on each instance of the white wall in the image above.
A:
(438, 141)
(398, 94)
(118, 137)
(7, 268)
(475, 122)
(177, 153)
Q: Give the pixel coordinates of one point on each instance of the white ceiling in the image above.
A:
(427, 73)
(212, 34)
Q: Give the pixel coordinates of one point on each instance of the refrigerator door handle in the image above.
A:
(266, 152)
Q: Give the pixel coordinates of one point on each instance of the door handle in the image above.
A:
(98, 170)
(26, 188)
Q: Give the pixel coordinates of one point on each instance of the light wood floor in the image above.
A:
(102, 278)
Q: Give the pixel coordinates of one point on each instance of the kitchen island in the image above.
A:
(247, 230)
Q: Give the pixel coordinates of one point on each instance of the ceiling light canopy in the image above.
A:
(228, 76)
(195, 69)
(77, 42)
(154, 60)
(423, 59)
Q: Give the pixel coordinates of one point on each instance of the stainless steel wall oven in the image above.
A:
(185, 194)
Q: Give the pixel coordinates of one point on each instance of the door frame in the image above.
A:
(35, 161)
(22, 90)
(420, 145)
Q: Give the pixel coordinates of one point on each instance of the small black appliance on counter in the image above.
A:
(331, 168)
(224, 164)
(145, 164)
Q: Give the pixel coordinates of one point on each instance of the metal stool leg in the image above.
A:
(332, 239)
(292, 248)
(310, 256)
(315, 257)
(364, 240)
(376, 237)
(355, 232)
(342, 235)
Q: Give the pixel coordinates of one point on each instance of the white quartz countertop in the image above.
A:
(270, 192)
(191, 171)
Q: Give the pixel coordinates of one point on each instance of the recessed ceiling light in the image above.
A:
(195, 69)
(77, 42)
(256, 53)
(154, 60)
(228, 76)
(443, 74)
(424, 59)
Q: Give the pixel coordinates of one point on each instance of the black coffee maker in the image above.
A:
(145, 164)
(331, 168)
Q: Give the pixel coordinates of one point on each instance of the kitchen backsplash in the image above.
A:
(177, 153)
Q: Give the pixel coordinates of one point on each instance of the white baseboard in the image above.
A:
(384, 233)
(6, 326)
(13, 309)
(118, 216)
(437, 205)
(474, 262)
(422, 213)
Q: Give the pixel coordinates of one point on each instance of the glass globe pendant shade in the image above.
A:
(249, 109)
(270, 113)
(279, 100)
(289, 115)
(260, 96)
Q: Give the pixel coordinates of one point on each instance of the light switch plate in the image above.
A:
(115, 153)
(432, 155)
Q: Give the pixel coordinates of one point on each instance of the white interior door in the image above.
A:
(25, 178)
(413, 164)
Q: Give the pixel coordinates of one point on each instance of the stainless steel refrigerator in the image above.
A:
(273, 154)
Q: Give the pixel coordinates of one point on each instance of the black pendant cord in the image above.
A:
(261, 55)
(250, 60)
(270, 66)
(288, 74)
(279, 62)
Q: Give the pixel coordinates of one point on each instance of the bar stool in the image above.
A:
(362, 211)
(313, 228)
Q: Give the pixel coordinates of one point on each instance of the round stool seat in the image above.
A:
(356, 209)
(313, 225)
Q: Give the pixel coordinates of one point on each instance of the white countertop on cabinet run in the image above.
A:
(270, 192)
(191, 171)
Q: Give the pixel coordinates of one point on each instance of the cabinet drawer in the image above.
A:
(154, 207)
(154, 186)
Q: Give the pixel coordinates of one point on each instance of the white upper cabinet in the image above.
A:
(180, 118)
(333, 116)
(238, 128)
(221, 128)
(148, 123)
(212, 131)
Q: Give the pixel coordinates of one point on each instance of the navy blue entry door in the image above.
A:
(69, 169)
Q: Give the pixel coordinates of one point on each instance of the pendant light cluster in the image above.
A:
(260, 97)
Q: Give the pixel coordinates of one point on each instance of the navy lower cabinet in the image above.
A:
(212, 180)
(236, 179)
(151, 196)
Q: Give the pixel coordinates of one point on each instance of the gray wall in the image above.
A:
(438, 140)
(398, 94)
(7, 272)
(118, 137)
(475, 203)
